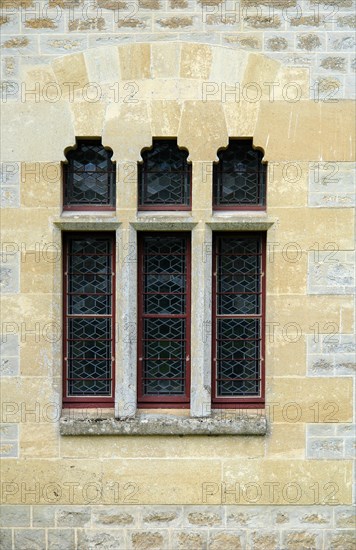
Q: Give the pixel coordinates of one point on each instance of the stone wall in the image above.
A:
(165, 71)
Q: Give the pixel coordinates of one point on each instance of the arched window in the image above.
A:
(164, 177)
(239, 178)
(89, 177)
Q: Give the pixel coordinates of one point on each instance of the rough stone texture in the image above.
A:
(5, 539)
(148, 541)
(331, 356)
(61, 539)
(228, 541)
(308, 42)
(164, 425)
(30, 538)
(277, 44)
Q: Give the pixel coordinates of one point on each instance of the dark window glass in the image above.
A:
(89, 177)
(88, 317)
(239, 178)
(238, 294)
(164, 318)
(164, 177)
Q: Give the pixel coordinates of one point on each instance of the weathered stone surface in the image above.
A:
(189, 540)
(148, 540)
(340, 540)
(164, 425)
(30, 538)
(73, 517)
(302, 540)
(106, 539)
(113, 517)
(14, 516)
(226, 540)
(61, 539)
(5, 539)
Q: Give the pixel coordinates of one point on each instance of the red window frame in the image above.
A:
(238, 402)
(87, 401)
(65, 175)
(142, 173)
(163, 401)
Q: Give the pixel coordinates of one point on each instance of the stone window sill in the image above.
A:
(162, 424)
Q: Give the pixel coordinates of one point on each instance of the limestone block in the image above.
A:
(15, 517)
(105, 516)
(265, 540)
(55, 118)
(41, 184)
(228, 66)
(279, 352)
(259, 70)
(165, 117)
(60, 539)
(157, 540)
(241, 116)
(202, 130)
(127, 130)
(196, 61)
(182, 540)
(105, 538)
(286, 441)
(40, 440)
(298, 402)
(159, 516)
(103, 64)
(43, 516)
(135, 61)
(165, 61)
(342, 539)
(331, 273)
(298, 225)
(5, 538)
(88, 118)
(30, 538)
(293, 84)
(71, 69)
(293, 479)
(332, 184)
(300, 123)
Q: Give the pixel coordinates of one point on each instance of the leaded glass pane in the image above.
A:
(239, 177)
(238, 294)
(89, 176)
(164, 284)
(164, 175)
(89, 310)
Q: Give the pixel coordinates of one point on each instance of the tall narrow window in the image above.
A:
(164, 320)
(239, 178)
(238, 319)
(89, 286)
(89, 177)
(164, 177)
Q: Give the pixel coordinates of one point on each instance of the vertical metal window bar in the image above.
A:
(89, 317)
(238, 318)
(164, 319)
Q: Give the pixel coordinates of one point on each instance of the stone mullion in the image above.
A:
(126, 323)
(201, 291)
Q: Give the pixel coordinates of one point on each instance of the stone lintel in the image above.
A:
(234, 223)
(163, 224)
(158, 424)
(94, 223)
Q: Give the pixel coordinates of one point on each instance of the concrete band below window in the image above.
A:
(159, 424)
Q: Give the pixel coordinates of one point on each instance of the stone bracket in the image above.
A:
(158, 424)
